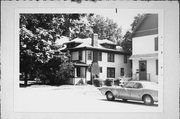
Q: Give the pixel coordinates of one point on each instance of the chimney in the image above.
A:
(95, 40)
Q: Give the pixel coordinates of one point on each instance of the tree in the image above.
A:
(38, 52)
(88, 24)
(127, 42)
(136, 20)
(105, 28)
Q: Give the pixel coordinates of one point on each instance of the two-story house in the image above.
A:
(145, 49)
(97, 58)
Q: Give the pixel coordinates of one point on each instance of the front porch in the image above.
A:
(138, 78)
(81, 74)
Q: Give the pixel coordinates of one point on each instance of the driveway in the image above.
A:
(70, 98)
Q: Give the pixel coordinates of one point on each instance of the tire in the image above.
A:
(110, 96)
(148, 100)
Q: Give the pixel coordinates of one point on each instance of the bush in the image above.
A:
(108, 82)
(117, 82)
(97, 82)
(89, 82)
(80, 82)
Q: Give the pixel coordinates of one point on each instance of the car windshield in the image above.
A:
(128, 85)
(132, 85)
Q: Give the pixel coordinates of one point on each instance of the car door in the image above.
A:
(124, 92)
(136, 91)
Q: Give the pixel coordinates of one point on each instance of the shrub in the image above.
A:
(108, 82)
(97, 82)
(117, 82)
(89, 82)
(80, 82)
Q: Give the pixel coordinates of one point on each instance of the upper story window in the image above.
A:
(110, 72)
(99, 56)
(156, 43)
(125, 59)
(80, 55)
(100, 69)
(122, 72)
(89, 55)
(110, 57)
(78, 74)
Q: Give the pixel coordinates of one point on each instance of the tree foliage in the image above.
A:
(127, 42)
(105, 28)
(39, 56)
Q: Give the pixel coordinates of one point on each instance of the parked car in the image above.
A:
(133, 90)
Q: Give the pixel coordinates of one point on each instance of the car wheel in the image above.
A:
(125, 100)
(110, 96)
(148, 100)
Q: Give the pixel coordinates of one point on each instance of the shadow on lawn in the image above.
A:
(21, 85)
(24, 86)
(129, 102)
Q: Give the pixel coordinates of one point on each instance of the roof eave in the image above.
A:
(138, 25)
(106, 50)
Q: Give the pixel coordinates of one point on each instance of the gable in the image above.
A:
(148, 26)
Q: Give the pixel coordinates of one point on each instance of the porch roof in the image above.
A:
(144, 56)
(81, 64)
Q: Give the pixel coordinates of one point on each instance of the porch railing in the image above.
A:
(136, 76)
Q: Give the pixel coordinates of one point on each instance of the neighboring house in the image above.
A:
(145, 49)
(97, 58)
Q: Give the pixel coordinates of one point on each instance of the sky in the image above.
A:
(123, 17)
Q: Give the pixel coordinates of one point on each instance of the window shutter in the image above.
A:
(156, 44)
(156, 67)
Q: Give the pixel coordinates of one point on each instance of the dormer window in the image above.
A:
(109, 46)
(72, 45)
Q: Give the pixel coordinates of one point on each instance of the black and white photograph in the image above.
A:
(88, 61)
(99, 60)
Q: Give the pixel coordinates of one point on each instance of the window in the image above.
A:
(137, 85)
(89, 55)
(156, 67)
(99, 56)
(78, 72)
(125, 59)
(110, 72)
(110, 57)
(100, 69)
(80, 55)
(122, 71)
(156, 43)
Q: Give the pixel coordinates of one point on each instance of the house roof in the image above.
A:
(144, 56)
(81, 64)
(147, 25)
(86, 43)
(61, 40)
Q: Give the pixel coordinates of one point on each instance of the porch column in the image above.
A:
(75, 75)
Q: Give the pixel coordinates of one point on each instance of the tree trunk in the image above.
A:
(25, 80)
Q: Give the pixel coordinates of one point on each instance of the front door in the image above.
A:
(142, 70)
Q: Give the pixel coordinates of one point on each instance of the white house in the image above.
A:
(145, 49)
(97, 58)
